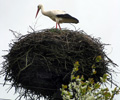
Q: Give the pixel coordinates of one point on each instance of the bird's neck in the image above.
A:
(43, 11)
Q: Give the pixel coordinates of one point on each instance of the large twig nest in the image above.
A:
(41, 62)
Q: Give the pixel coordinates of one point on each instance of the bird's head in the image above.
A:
(38, 9)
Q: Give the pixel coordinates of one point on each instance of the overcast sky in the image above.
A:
(99, 18)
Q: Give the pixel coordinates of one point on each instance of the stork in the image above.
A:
(58, 16)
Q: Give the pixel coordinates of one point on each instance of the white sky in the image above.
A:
(99, 18)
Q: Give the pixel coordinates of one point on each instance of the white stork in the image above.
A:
(57, 16)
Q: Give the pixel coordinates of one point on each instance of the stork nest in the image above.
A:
(40, 62)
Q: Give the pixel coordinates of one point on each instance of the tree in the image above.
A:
(81, 89)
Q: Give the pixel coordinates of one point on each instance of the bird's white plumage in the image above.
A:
(58, 16)
(56, 12)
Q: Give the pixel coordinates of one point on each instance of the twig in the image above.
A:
(73, 26)
(14, 33)
(31, 29)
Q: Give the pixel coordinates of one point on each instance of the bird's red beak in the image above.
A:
(37, 12)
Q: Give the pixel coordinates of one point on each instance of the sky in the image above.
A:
(98, 18)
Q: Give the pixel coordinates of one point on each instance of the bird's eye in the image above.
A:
(38, 7)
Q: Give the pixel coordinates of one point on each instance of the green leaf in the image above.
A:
(97, 85)
(98, 58)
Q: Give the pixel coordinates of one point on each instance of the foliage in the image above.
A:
(81, 89)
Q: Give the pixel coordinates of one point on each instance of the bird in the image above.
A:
(58, 16)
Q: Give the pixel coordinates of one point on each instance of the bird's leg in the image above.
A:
(59, 26)
(56, 25)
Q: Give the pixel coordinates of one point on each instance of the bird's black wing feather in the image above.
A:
(67, 16)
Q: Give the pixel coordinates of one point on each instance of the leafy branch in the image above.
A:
(81, 89)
